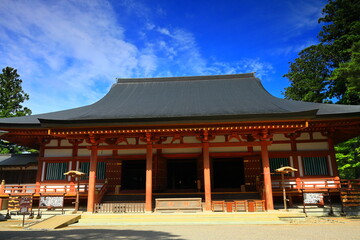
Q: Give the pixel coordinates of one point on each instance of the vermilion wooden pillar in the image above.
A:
(38, 175)
(207, 179)
(40, 166)
(332, 155)
(92, 179)
(294, 155)
(149, 167)
(267, 176)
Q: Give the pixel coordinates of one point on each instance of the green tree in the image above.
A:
(11, 98)
(338, 38)
(349, 73)
(308, 76)
(330, 71)
(348, 158)
(12, 95)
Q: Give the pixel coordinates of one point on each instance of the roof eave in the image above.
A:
(50, 123)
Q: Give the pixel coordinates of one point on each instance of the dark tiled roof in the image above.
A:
(190, 99)
(18, 159)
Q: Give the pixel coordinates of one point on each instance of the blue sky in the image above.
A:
(69, 53)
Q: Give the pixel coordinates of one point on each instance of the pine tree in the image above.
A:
(11, 98)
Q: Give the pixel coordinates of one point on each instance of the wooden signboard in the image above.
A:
(313, 199)
(25, 204)
(52, 202)
(20, 204)
(178, 204)
(13, 204)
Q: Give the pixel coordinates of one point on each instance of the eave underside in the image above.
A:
(341, 130)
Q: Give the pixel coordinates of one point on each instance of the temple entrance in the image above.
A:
(133, 174)
(181, 173)
(228, 173)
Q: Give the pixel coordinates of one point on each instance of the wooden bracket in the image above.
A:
(248, 137)
(116, 141)
(234, 135)
(93, 140)
(329, 133)
(176, 137)
(75, 141)
(151, 138)
(263, 135)
(205, 136)
(293, 135)
(43, 140)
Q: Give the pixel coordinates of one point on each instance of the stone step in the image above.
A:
(188, 218)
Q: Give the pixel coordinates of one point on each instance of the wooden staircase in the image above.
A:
(350, 198)
(350, 195)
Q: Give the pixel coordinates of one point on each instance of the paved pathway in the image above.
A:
(327, 230)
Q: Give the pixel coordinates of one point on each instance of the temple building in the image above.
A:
(204, 135)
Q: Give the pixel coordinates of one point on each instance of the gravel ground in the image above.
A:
(312, 228)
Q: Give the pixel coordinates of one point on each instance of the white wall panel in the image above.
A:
(58, 153)
(132, 152)
(52, 143)
(105, 153)
(84, 152)
(312, 146)
(304, 136)
(257, 149)
(168, 140)
(181, 150)
(318, 135)
(191, 140)
(280, 137)
(228, 149)
(84, 143)
(129, 140)
(221, 139)
(279, 147)
(65, 143)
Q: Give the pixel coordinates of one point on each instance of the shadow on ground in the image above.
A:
(89, 234)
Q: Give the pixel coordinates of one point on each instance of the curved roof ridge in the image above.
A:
(188, 78)
(221, 97)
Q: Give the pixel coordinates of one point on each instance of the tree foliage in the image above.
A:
(348, 158)
(11, 98)
(330, 71)
(338, 39)
(349, 73)
(308, 74)
(12, 95)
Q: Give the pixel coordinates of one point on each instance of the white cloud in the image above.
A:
(245, 65)
(69, 52)
(64, 50)
(164, 31)
(291, 49)
(302, 16)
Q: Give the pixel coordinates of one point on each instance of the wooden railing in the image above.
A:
(128, 207)
(47, 188)
(307, 183)
(101, 193)
(350, 183)
(350, 194)
(17, 189)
